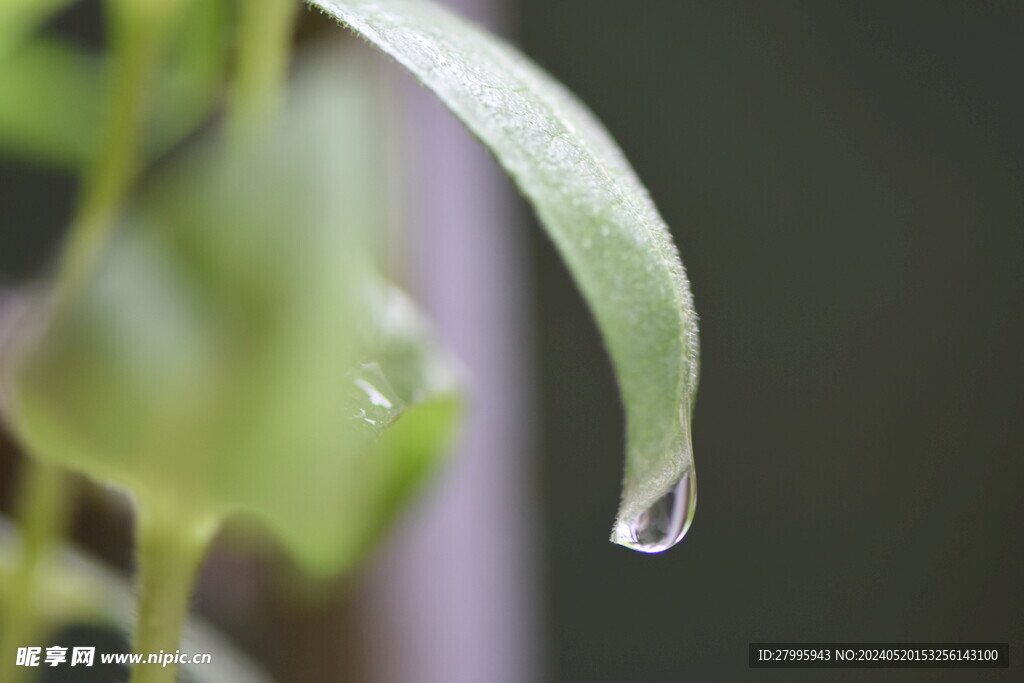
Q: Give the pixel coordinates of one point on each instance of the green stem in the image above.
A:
(264, 50)
(42, 511)
(137, 31)
(170, 549)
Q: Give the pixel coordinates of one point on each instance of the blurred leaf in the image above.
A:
(234, 350)
(51, 97)
(80, 590)
(195, 72)
(20, 18)
(52, 94)
(413, 374)
(596, 212)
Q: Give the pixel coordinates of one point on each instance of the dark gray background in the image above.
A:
(844, 181)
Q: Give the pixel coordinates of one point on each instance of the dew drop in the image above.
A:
(372, 401)
(664, 524)
(373, 393)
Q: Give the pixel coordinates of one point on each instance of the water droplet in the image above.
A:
(373, 400)
(373, 393)
(664, 524)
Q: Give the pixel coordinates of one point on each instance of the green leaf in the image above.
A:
(235, 352)
(194, 75)
(20, 18)
(600, 218)
(43, 79)
(50, 103)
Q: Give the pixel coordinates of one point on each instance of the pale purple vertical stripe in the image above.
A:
(453, 598)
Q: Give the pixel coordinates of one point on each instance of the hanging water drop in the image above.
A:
(664, 524)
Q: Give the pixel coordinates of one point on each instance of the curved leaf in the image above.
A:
(601, 220)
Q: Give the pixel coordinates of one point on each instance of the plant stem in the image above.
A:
(42, 511)
(264, 49)
(137, 32)
(169, 547)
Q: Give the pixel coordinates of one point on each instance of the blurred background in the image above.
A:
(844, 181)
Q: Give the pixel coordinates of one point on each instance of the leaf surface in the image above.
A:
(41, 81)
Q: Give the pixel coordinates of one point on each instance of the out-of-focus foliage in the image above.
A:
(52, 93)
(78, 589)
(193, 80)
(235, 349)
(50, 103)
(20, 18)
